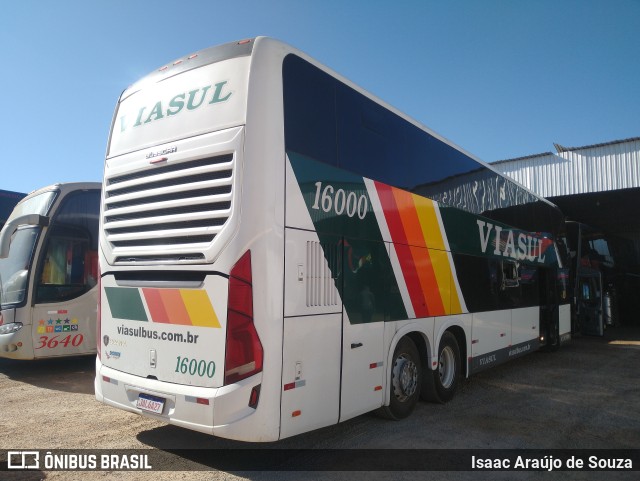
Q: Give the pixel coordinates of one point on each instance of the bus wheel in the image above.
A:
(440, 385)
(553, 337)
(406, 380)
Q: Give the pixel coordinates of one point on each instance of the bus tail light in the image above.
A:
(243, 353)
(254, 397)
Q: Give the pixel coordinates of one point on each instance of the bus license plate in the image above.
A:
(153, 404)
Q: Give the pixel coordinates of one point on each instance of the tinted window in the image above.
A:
(492, 284)
(309, 111)
(70, 262)
(370, 138)
(329, 121)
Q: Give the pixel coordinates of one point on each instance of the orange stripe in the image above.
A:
(442, 269)
(409, 217)
(434, 239)
(419, 252)
(407, 266)
(174, 305)
(428, 281)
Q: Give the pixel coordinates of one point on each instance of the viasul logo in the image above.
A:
(191, 100)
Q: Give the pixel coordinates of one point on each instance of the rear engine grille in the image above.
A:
(170, 212)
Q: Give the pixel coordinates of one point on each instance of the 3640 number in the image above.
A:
(53, 341)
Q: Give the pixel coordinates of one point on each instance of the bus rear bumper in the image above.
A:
(186, 406)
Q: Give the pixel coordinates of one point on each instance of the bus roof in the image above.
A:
(249, 46)
(64, 187)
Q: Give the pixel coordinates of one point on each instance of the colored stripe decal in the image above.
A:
(386, 236)
(173, 303)
(403, 251)
(420, 243)
(428, 218)
(457, 299)
(199, 308)
(125, 303)
(188, 307)
(156, 308)
(415, 235)
(431, 292)
(435, 239)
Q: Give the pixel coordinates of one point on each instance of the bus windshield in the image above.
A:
(38, 204)
(14, 269)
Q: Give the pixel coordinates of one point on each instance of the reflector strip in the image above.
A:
(197, 400)
(293, 385)
(109, 380)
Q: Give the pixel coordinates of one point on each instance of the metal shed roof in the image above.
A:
(578, 170)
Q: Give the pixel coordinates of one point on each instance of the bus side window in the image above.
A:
(64, 273)
(510, 277)
(69, 263)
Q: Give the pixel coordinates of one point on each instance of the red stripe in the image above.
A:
(399, 238)
(155, 305)
(406, 206)
(411, 278)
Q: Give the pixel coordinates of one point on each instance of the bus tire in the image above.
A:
(440, 384)
(405, 380)
(553, 337)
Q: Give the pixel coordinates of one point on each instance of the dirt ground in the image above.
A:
(585, 396)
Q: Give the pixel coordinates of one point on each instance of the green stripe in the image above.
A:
(125, 303)
(365, 269)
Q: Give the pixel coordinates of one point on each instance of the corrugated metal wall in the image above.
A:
(596, 168)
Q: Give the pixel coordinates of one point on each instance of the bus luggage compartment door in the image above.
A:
(312, 333)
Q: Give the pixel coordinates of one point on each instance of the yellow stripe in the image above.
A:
(429, 222)
(199, 308)
(442, 271)
(434, 238)
(425, 209)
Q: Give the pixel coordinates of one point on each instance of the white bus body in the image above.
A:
(49, 273)
(254, 290)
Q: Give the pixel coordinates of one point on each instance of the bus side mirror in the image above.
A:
(11, 226)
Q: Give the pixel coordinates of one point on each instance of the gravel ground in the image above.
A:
(585, 396)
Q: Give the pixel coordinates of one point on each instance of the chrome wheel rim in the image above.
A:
(405, 377)
(447, 367)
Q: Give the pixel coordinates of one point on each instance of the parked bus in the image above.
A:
(8, 201)
(282, 251)
(49, 273)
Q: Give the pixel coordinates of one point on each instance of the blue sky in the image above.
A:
(501, 79)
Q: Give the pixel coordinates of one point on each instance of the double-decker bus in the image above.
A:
(49, 273)
(281, 251)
